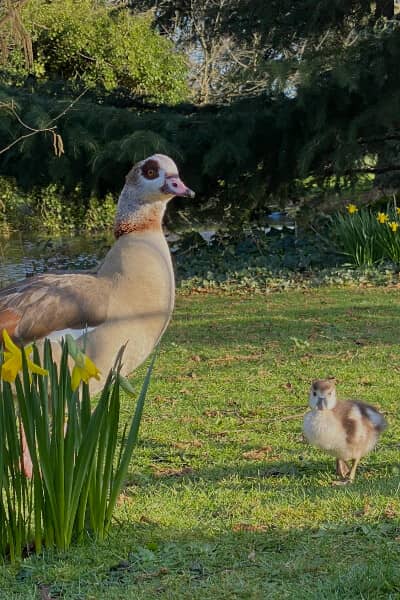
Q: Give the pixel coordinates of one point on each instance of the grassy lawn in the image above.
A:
(224, 499)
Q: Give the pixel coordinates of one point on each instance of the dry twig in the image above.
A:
(58, 145)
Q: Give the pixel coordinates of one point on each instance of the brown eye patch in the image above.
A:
(150, 169)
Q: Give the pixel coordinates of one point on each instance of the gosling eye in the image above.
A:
(314, 393)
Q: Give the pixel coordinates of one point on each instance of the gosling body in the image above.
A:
(347, 430)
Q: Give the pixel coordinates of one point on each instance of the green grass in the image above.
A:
(224, 499)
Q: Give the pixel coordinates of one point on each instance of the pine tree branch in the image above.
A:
(372, 170)
(386, 138)
(376, 170)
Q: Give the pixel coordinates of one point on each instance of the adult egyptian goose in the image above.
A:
(347, 430)
(131, 296)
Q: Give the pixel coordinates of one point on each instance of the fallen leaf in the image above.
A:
(44, 591)
(257, 453)
(123, 565)
(171, 472)
(122, 498)
(186, 445)
(365, 511)
(152, 575)
(390, 511)
(218, 434)
(248, 527)
(211, 413)
(144, 519)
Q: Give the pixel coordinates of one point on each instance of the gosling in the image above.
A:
(347, 430)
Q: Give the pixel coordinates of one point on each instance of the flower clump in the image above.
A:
(383, 219)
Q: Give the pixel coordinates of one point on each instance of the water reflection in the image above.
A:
(22, 256)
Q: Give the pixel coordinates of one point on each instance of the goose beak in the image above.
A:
(175, 186)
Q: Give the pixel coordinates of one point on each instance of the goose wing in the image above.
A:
(36, 307)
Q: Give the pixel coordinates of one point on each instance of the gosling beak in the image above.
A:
(320, 403)
(175, 186)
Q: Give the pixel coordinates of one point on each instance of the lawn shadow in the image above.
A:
(314, 479)
(379, 324)
(145, 560)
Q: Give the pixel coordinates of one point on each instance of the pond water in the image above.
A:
(24, 256)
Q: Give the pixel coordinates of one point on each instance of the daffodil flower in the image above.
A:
(351, 209)
(84, 370)
(394, 226)
(398, 210)
(12, 364)
(382, 217)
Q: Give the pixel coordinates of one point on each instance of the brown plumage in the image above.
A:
(347, 430)
(34, 308)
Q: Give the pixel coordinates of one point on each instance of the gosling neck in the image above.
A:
(134, 215)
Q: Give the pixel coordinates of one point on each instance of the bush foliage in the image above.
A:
(91, 42)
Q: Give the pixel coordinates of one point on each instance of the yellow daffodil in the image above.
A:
(394, 226)
(12, 364)
(83, 370)
(351, 209)
(382, 217)
(398, 210)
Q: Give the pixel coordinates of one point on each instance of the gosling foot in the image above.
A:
(338, 482)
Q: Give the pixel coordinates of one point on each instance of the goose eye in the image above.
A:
(314, 393)
(150, 169)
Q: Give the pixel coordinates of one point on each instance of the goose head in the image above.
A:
(323, 394)
(156, 179)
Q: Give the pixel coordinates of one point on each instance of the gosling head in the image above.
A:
(323, 394)
(156, 178)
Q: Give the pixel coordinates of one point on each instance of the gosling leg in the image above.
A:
(353, 469)
(342, 468)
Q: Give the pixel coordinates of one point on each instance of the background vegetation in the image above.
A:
(260, 103)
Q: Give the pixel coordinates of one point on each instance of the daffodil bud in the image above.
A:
(72, 346)
(125, 385)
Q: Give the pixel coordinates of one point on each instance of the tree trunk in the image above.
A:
(384, 8)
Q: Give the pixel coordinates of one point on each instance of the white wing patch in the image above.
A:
(56, 336)
(355, 413)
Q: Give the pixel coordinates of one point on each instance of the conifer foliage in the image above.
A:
(327, 109)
